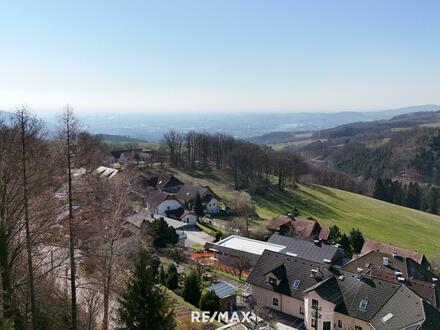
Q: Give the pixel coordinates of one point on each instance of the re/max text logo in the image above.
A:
(208, 317)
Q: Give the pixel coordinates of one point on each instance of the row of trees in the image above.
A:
(46, 209)
(247, 162)
(413, 195)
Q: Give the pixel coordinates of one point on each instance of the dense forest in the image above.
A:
(249, 164)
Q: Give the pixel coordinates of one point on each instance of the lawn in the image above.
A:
(376, 219)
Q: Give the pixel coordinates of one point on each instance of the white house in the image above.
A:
(212, 205)
(159, 202)
(210, 201)
(189, 217)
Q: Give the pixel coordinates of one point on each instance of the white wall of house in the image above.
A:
(212, 206)
(190, 219)
(286, 304)
(348, 322)
(329, 315)
(167, 205)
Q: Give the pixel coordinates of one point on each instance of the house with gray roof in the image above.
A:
(236, 249)
(327, 297)
(315, 251)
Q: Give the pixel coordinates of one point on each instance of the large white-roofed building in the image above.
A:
(235, 249)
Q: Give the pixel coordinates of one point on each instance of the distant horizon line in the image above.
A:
(101, 112)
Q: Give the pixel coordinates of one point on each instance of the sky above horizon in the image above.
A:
(219, 56)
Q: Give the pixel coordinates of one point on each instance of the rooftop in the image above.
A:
(223, 289)
(362, 297)
(249, 245)
(306, 249)
(372, 245)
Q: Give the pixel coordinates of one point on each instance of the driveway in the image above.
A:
(196, 236)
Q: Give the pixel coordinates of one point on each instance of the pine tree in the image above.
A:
(191, 288)
(356, 240)
(161, 233)
(433, 200)
(344, 241)
(144, 305)
(379, 190)
(334, 235)
(209, 301)
(198, 206)
(172, 278)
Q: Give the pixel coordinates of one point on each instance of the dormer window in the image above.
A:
(296, 284)
(363, 304)
(272, 280)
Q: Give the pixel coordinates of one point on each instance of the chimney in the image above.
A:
(395, 254)
(317, 242)
(289, 215)
(385, 261)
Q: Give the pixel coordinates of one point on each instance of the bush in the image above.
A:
(209, 301)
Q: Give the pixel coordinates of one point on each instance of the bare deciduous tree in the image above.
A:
(68, 133)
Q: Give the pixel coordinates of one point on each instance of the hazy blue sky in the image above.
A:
(219, 55)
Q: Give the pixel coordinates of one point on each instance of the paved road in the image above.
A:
(196, 236)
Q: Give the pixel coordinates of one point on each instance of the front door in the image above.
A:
(326, 325)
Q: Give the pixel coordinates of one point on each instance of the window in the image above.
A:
(301, 311)
(357, 327)
(387, 317)
(363, 304)
(313, 323)
(296, 284)
(275, 301)
(339, 324)
(272, 280)
(314, 303)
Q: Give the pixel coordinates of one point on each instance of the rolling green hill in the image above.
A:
(378, 220)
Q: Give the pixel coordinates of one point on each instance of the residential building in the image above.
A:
(210, 201)
(316, 251)
(165, 182)
(299, 226)
(234, 249)
(397, 268)
(131, 155)
(188, 217)
(159, 202)
(372, 245)
(326, 297)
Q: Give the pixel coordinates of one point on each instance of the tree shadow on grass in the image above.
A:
(323, 190)
(283, 202)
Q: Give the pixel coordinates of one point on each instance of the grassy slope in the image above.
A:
(376, 219)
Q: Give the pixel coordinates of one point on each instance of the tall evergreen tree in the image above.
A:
(344, 241)
(191, 288)
(162, 234)
(172, 278)
(432, 200)
(198, 206)
(356, 240)
(334, 235)
(379, 190)
(144, 305)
